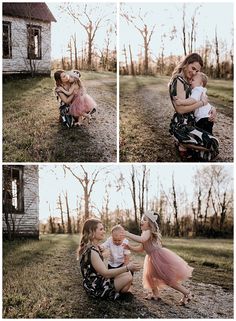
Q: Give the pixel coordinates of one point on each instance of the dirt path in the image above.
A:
(94, 142)
(144, 127)
(210, 301)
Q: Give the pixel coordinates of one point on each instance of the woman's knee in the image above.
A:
(123, 281)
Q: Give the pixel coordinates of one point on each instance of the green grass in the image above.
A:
(41, 278)
(212, 259)
(31, 132)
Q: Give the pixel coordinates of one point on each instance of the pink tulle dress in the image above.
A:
(163, 267)
(82, 103)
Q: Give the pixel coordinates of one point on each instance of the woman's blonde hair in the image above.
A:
(190, 59)
(88, 230)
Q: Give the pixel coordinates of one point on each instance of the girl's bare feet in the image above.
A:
(186, 298)
(153, 296)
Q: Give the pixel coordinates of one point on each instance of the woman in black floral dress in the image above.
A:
(191, 139)
(98, 281)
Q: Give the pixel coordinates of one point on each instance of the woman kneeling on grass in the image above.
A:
(98, 281)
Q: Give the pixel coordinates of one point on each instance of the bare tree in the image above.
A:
(176, 227)
(126, 60)
(69, 225)
(90, 20)
(189, 35)
(73, 38)
(217, 55)
(61, 212)
(132, 188)
(131, 62)
(184, 29)
(87, 184)
(144, 31)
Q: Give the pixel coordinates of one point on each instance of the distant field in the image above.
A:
(220, 89)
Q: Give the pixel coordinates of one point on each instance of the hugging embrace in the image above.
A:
(161, 266)
(72, 93)
(193, 120)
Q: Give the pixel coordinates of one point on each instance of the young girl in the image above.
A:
(162, 267)
(82, 104)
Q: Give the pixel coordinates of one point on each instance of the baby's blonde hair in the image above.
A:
(116, 228)
(204, 79)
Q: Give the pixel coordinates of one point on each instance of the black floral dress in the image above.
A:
(183, 127)
(95, 284)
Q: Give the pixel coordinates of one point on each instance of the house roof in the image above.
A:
(33, 10)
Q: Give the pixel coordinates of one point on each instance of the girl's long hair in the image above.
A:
(89, 228)
(155, 231)
(191, 58)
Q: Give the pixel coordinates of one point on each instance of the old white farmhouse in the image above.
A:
(20, 201)
(26, 38)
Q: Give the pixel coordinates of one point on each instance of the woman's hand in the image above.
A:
(58, 89)
(212, 114)
(134, 266)
(204, 99)
(177, 101)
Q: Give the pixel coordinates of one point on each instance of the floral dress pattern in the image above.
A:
(95, 284)
(183, 127)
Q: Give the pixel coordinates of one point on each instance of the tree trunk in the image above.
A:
(217, 56)
(133, 193)
(61, 211)
(131, 62)
(176, 227)
(69, 227)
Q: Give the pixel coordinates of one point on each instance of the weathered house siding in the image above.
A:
(27, 223)
(19, 62)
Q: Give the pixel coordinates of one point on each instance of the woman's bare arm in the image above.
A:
(185, 102)
(181, 109)
(65, 99)
(68, 92)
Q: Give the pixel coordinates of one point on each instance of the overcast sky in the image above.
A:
(54, 182)
(65, 27)
(167, 15)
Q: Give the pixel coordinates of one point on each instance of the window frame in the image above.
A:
(29, 54)
(11, 174)
(8, 24)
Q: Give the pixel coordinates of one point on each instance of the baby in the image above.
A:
(118, 256)
(201, 114)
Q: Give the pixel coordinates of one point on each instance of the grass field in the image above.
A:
(219, 89)
(41, 278)
(31, 131)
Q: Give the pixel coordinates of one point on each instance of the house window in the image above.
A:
(6, 40)
(34, 42)
(13, 199)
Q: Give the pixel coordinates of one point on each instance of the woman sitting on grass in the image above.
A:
(98, 281)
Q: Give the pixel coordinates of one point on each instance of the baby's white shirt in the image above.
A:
(117, 252)
(201, 112)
